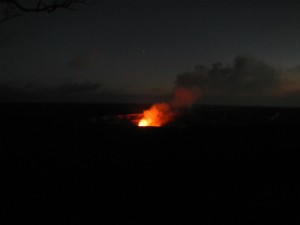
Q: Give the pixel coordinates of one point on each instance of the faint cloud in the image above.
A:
(157, 90)
(87, 59)
(247, 80)
(73, 88)
(33, 92)
(245, 76)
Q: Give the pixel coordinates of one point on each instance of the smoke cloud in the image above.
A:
(184, 97)
(247, 76)
(247, 81)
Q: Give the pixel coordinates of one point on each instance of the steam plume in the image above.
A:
(245, 77)
(161, 113)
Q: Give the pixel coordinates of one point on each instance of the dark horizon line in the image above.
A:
(143, 103)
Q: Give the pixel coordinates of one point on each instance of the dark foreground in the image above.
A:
(79, 164)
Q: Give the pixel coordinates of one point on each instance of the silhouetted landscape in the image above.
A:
(132, 112)
(89, 164)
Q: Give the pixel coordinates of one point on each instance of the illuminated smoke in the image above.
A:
(160, 114)
(246, 76)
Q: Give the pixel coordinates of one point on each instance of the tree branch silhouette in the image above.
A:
(14, 8)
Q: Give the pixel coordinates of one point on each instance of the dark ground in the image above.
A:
(81, 164)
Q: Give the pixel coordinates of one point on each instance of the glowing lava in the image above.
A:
(158, 115)
(143, 123)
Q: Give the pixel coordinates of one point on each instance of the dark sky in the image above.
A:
(134, 50)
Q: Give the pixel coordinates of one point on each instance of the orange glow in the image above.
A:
(162, 113)
(158, 115)
(143, 123)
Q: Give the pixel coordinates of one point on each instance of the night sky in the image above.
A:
(235, 51)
